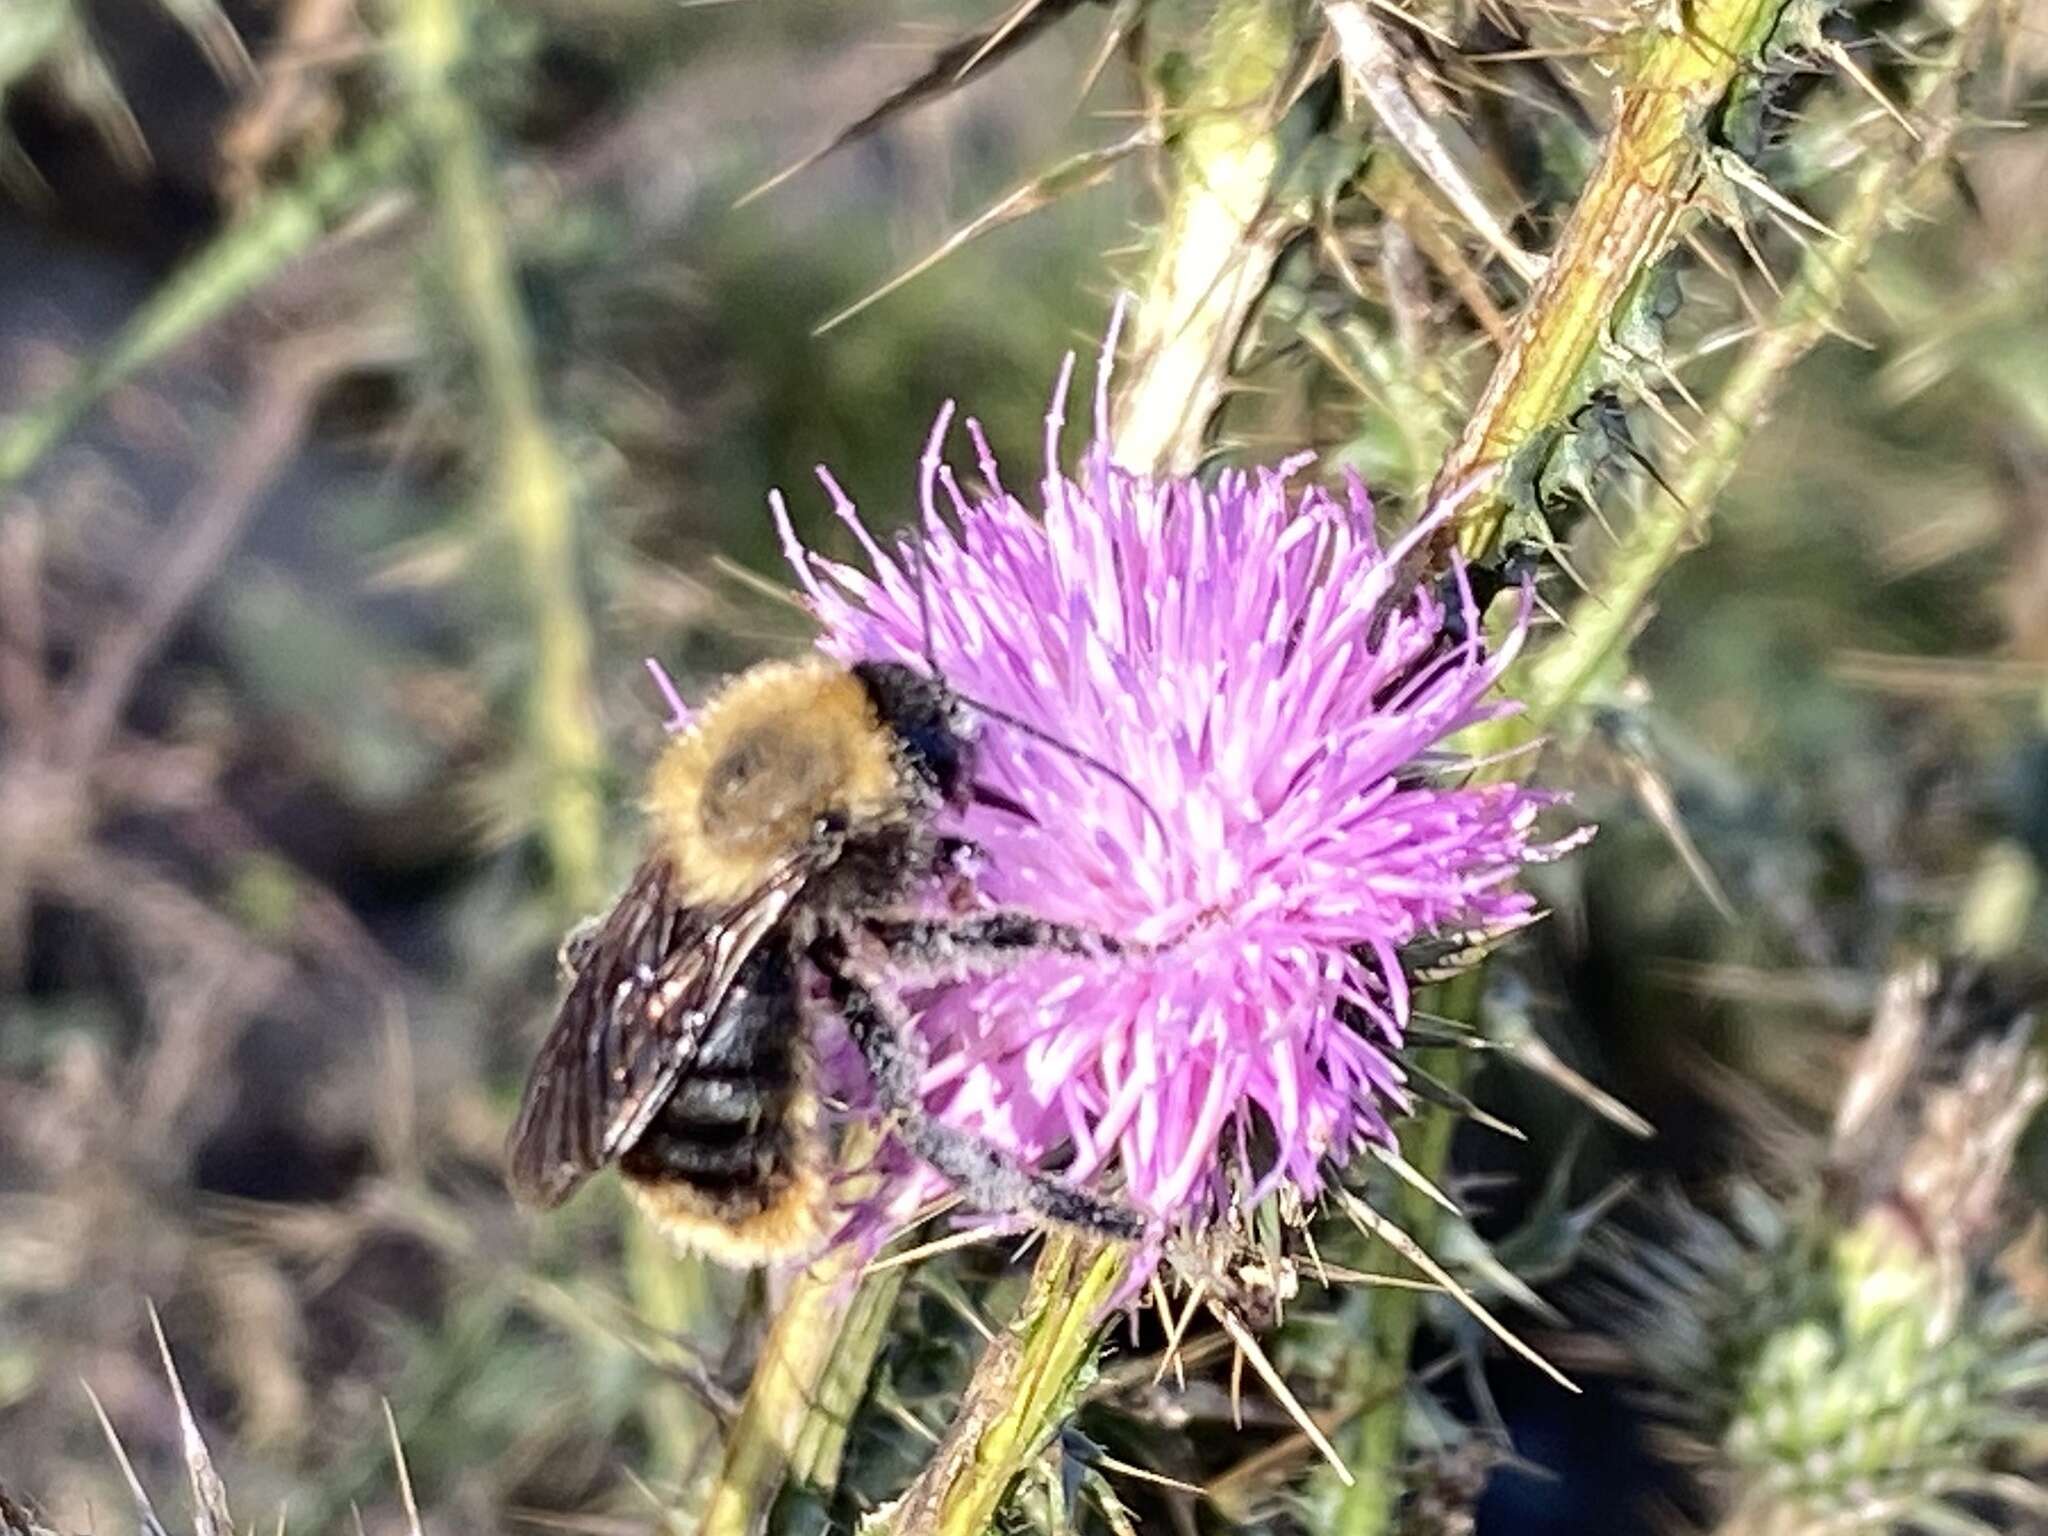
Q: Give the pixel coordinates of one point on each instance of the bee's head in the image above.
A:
(931, 722)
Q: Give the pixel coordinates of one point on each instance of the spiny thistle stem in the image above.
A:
(1026, 1384)
(1624, 220)
(813, 1372)
(529, 489)
(529, 485)
(240, 260)
(1378, 1446)
(1219, 237)
(1653, 163)
(1601, 622)
(1525, 396)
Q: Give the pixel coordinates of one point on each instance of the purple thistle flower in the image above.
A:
(1252, 659)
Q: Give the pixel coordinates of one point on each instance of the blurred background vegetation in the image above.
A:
(329, 554)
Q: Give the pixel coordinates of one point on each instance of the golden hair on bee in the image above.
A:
(743, 785)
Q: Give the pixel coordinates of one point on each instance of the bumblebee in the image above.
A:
(795, 827)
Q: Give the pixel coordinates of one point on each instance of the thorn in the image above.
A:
(145, 1512)
(947, 1244)
(1000, 33)
(1176, 1332)
(1248, 1349)
(1539, 1058)
(1848, 66)
(1145, 1474)
(664, 1511)
(1081, 171)
(1341, 1275)
(1738, 223)
(1745, 176)
(1375, 1225)
(1237, 1386)
(1375, 67)
(405, 1493)
(209, 1495)
(1661, 806)
(1413, 1177)
(952, 67)
(1435, 1089)
(1315, 1256)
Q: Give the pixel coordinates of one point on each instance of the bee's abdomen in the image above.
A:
(718, 1129)
(732, 1138)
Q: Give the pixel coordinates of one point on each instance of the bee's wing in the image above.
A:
(648, 979)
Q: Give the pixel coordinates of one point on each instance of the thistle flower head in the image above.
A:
(1251, 659)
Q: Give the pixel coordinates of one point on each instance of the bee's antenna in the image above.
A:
(1037, 733)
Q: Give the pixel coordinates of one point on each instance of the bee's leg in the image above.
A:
(929, 952)
(990, 1178)
(577, 946)
(956, 863)
(954, 853)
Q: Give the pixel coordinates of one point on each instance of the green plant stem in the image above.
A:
(1652, 165)
(1027, 1382)
(1601, 623)
(530, 493)
(678, 1297)
(813, 1371)
(1377, 1452)
(529, 485)
(246, 255)
(1220, 235)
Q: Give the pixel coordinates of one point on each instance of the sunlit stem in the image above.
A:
(1213, 258)
(813, 1372)
(1598, 626)
(1220, 234)
(1028, 1381)
(1651, 166)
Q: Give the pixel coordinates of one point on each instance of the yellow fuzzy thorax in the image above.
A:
(779, 746)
